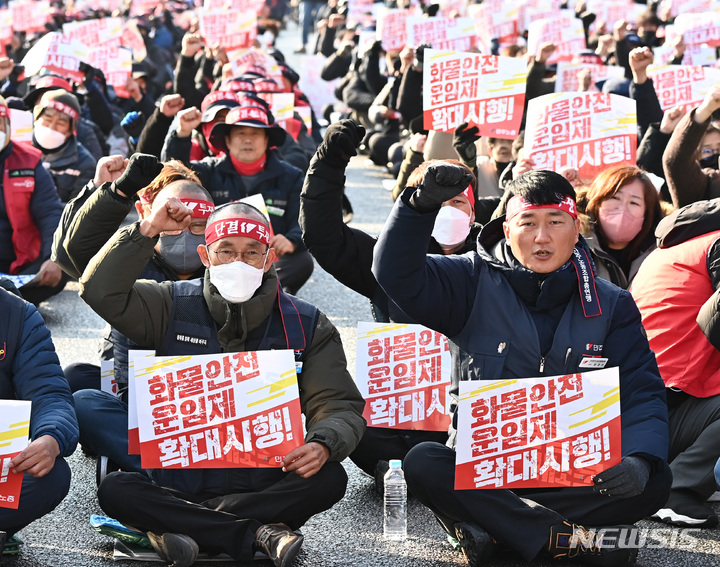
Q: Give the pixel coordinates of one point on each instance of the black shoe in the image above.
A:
(301, 49)
(380, 469)
(104, 467)
(686, 511)
(3, 538)
(177, 550)
(279, 543)
(476, 544)
(587, 545)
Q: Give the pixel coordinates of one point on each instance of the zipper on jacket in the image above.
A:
(567, 355)
(542, 364)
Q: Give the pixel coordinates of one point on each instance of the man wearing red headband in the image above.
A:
(527, 304)
(238, 306)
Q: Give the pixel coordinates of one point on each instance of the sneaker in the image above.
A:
(11, 544)
(380, 469)
(104, 467)
(686, 510)
(177, 550)
(587, 545)
(279, 543)
(477, 546)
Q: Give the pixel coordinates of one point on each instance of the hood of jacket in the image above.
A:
(689, 222)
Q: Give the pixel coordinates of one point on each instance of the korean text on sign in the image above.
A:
(217, 411)
(564, 30)
(14, 432)
(441, 33)
(586, 131)
(538, 432)
(682, 84)
(403, 372)
(484, 90)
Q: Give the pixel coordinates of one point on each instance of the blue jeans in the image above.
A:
(717, 474)
(103, 421)
(307, 17)
(38, 496)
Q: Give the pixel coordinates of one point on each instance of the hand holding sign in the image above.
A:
(38, 458)
(624, 480)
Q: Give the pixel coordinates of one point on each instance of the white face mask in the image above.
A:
(451, 226)
(3, 140)
(47, 137)
(236, 281)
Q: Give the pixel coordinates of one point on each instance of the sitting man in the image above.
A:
(238, 306)
(677, 290)
(521, 287)
(30, 370)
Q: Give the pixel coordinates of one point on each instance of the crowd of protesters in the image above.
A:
(190, 145)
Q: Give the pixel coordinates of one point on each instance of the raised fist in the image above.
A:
(340, 143)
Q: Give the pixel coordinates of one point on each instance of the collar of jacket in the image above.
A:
(66, 156)
(237, 319)
(273, 167)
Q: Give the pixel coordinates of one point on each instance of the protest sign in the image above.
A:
(701, 28)
(94, 33)
(6, 30)
(391, 29)
(484, 90)
(612, 11)
(495, 19)
(132, 38)
(531, 10)
(403, 373)
(95, 5)
(19, 280)
(58, 54)
(678, 7)
(21, 125)
(695, 54)
(305, 113)
(142, 7)
(682, 84)
(241, 59)
(282, 105)
(116, 64)
(29, 15)
(14, 434)
(107, 377)
(566, 79)
(442, 33)
(361, 12)
(133, 430)
(587, 131)
(318, 91)
(229, 29)
(564, 30)
(231, 410)
(453, 8)
(537, 432)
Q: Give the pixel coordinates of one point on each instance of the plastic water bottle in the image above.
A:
(395, 521)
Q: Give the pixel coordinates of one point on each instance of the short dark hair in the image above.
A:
(541, 187)
(239, 209)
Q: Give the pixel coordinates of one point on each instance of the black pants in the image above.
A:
(521, 519)
(82, 376)
(223, 523)
(382, 444)
(694, 447)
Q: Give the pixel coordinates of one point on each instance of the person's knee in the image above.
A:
(113, 494)
(332, 481)
(417, 463)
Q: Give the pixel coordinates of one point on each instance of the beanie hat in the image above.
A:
(62, 101)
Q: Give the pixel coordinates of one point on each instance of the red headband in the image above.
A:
(62, 107)
(470, 196)
(517, 205)
(237, 227)
(200, 209)
(246, 113)
(219, 96)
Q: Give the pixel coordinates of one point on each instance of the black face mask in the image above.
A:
(649, 38)
(711, 162)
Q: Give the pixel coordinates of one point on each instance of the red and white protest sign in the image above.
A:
(531, 10)
(21, 125)
(566, 79)
(392, 29)
(537, 432)
(495, 19)
(612, 11)
(453, 8)
(107, 377)
(587, 131)
(14, 434)
(29, 15)
(231, 30)
(94, 5)
(678, 7)
(6, 29)
(133, 428)
(94, 33)
(132, 38)
(697, 29)
(484, 90)
(361, 12)
(241, 59)
(403, 372)
(231, 410)
(564, 30)
(698, 54)
(116, 64)
(442, 33)
(142, 7)
(682, 84)
(282, 105)
(57, 53)
(318, 91)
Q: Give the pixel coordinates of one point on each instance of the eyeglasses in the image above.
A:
(250, 257)
(707, 152)
(196, 228)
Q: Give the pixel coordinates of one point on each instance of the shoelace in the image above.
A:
(585, 541)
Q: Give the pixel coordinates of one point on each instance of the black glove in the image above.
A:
(340, 143)
(375, 48)
(442, 182)
(464, 143)
(626, 479)
(140, 171)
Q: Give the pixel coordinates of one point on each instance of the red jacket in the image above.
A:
(670, 288)
(18, 188)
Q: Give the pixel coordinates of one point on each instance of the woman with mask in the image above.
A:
(622, 209)
(88, 221)
(69, 163)
(346, 254)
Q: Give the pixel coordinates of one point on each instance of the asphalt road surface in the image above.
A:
(350, 534)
